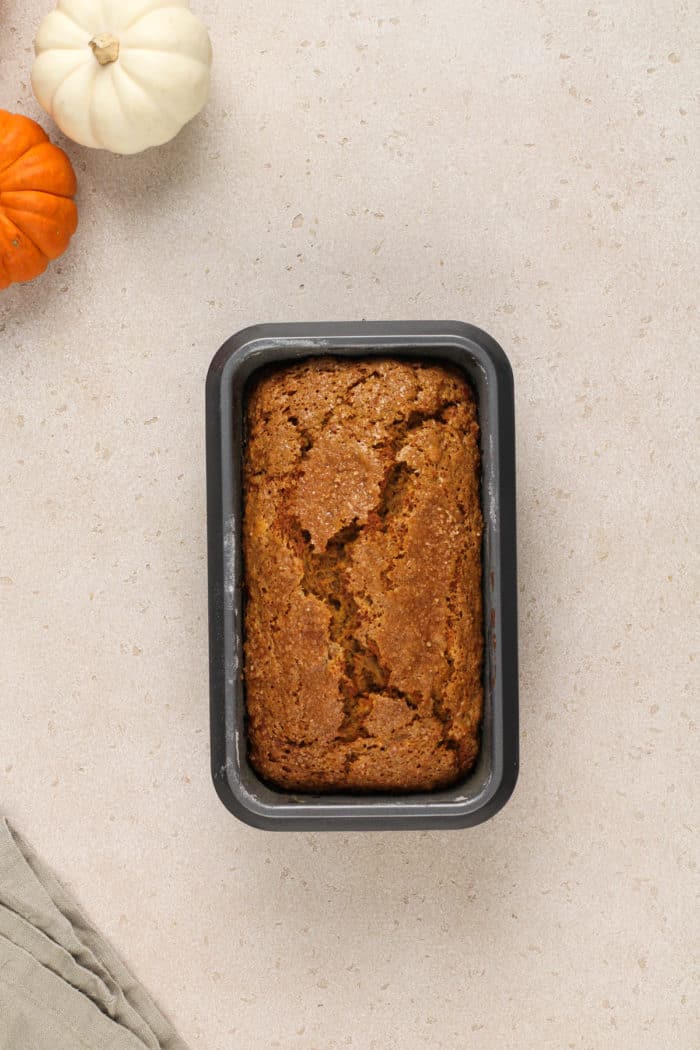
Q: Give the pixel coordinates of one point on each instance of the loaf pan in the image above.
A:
(489, 784)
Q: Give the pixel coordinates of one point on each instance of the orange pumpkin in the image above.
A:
(37, 214)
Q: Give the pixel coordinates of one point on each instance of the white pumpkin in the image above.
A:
(122, 75)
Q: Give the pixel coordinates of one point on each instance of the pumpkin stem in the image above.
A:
(105, 48)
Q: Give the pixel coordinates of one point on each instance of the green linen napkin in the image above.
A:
(61, 985)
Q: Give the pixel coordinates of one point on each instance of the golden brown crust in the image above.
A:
(362, 549)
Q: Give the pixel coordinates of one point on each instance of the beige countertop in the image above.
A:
(526, 165)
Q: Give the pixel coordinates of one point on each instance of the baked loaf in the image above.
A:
(362, 552)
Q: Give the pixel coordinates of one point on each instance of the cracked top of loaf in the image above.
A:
(362, 552)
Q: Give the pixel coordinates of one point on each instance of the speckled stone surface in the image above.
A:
(527, 166)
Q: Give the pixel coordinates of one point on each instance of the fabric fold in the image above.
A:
(61, 984)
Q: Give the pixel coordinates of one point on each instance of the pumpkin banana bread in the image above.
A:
(362, 553)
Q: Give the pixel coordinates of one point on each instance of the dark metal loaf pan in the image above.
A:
(488, 786)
